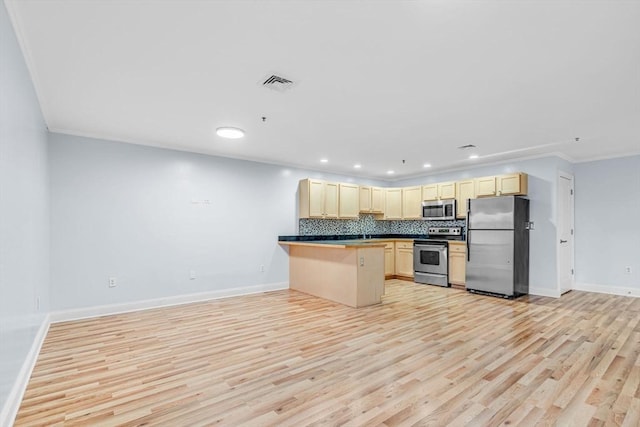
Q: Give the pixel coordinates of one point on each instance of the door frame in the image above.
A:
(572, 225)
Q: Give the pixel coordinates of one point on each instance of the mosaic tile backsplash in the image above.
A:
(367, 224)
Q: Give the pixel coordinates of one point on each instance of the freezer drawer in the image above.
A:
(490, 261)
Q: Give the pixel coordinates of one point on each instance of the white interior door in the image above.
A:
(565, 232)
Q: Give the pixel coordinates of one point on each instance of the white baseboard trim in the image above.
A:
(544, 292)
(12, 404)
(105, 310)
(604, 289)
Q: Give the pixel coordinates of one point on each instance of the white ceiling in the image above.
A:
(377, 82)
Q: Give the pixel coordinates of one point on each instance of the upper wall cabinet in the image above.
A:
(502, 185)
(513, 184)
(440, 191)
(317, 199)
(465, 190)
(393, 203)
(348, 200)
(412, 202)
(331, 200)
(371, 200)
(485, 186)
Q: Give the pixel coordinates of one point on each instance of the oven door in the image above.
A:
(430, 258)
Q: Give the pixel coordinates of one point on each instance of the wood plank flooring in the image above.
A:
(425, 356)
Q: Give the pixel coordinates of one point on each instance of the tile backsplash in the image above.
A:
(367, 224)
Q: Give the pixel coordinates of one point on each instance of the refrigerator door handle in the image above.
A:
(467, 227)
(468, 255)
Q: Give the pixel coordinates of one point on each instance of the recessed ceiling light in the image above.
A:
(324, 160)
(390, 172)
(357, 166)
(473, 156)
(426, 165)
(230, 133)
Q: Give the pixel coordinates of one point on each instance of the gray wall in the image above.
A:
(608, 223)
(543, 178)
(24, 211)
(128, 211)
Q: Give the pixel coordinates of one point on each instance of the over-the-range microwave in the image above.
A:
(439, 209)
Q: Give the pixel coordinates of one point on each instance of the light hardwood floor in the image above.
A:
(425, 356)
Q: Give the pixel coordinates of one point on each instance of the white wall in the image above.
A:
(607, 224)
(127, 211)
(543, 176)
(24, 214)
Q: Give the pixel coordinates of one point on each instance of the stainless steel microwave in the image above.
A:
(439, 209)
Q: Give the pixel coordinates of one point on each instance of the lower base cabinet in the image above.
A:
(390, 259)
(457, 263)
(404, 259)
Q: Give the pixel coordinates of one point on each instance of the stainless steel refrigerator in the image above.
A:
(498, 246)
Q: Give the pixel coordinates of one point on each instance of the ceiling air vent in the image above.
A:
(466, 147)
(277, 83)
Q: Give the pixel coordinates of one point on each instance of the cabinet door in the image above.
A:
(331, 200)
(393, 203)
(390, 259)
(365, 199)
(465, 190)
(447, 190)
(486, 186)
(512, 184)
(377, 200)
(316, 198)
(412, 203)
(404, 259)
(430, 192)
(349, 201)
(457, 263)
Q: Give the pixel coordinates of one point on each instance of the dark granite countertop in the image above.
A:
(349, 237)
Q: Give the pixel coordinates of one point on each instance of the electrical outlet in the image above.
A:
(262, 269)
(192, 275)
(113, 282)
(38, 303)
(627, 270)
(361, 261)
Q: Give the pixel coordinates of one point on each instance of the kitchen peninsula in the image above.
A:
(349, 272)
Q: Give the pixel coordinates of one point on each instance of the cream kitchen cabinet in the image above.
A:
(465, 190)
(348, 201)
(485, 186)
(502, 185)
(457, 263)
(393, 203)
(412, 202)
(515, 184)
(317, 199)
(389, 259)
(439, 191)
(371, 200)
(404, 259)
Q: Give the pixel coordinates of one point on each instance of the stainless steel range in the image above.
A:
(431, 256)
